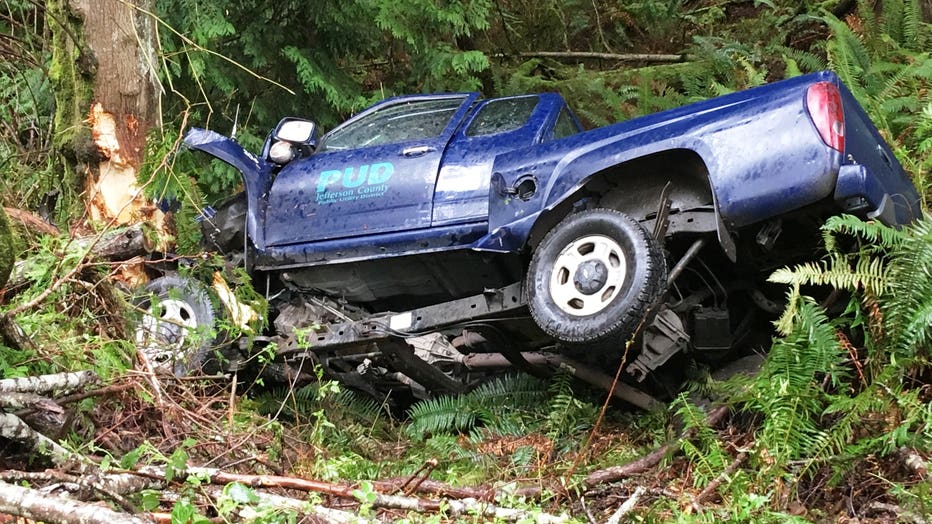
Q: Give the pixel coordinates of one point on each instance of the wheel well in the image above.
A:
(634, 187)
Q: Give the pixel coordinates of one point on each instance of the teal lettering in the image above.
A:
(326, 178)
(380, 173)
(351, 180)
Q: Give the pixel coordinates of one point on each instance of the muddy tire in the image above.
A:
(593, 278)
(176, 329)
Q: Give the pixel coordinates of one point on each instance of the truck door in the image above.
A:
(496, 126)
(374, 174)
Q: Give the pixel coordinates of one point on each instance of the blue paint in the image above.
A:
(402, 195)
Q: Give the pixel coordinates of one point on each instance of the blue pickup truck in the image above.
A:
(431, 238)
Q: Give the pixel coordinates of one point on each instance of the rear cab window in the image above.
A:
(502, 115)
(566, 124)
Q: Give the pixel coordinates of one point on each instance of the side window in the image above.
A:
(395, 123)
(565, 125)
(499, 116)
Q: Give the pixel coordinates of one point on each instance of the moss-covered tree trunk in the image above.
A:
(6, 248)
(103, 73)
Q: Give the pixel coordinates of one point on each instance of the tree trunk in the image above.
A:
(7, 256)
(104, 76)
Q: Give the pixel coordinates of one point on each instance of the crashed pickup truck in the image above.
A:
(431, 239)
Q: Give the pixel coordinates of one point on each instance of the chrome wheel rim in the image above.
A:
(588, 275)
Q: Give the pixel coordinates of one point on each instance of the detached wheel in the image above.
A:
(176, 331)
(593, 278)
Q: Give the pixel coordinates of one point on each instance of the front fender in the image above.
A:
(256, 173)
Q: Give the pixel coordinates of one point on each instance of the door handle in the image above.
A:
(415, 151)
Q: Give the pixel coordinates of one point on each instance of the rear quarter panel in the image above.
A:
(762, 151)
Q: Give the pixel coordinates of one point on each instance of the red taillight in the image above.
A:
(824, 103)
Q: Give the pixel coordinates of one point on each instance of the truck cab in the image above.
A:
(408, 163)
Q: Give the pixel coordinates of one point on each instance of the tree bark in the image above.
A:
(49, 383)
(119, 244)
(104, 76)
(35, 505)
(7, 255)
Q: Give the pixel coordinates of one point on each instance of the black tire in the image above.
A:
(176, 330)
(619, 273)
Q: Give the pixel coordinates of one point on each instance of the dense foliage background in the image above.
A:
(256, 62)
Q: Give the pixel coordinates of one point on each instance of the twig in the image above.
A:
(729, 471)
(417, 478)
(627, 506)
(582, 502)
(646, 462)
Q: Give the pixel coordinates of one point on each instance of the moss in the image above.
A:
(6, 248)
(71, 72)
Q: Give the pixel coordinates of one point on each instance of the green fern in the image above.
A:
(705, 450)
(837, 271)
(875, 234)
(442, 415)
(908, 305)
(788, 390)
(567, 414)
(486, 405)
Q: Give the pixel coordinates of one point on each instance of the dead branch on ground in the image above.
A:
(650, 460)
(36, 505)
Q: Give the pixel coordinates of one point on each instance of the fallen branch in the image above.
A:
(646, 462)
(13, 334)
(345, 491)
(296, 505)
(618, 57)
(30, 401)
(119, 244)
(119, 483)
(13, 428)
(31, 222)
(35, 505)
(627, 506)
(217, 476)
(729, 471)
(49, 383)
(441, 489)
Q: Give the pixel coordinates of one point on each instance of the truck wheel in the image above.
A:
(176, 331)
(593, 278)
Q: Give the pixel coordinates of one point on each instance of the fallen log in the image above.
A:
(440, 489)
(13, 428)
(613, 473)
(49, 383)
(617, 57)
(451, 507)
(119, 244)
(31, 401)
(35, 505)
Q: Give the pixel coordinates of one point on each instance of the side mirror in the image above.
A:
(293, 136)
(297, 131)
